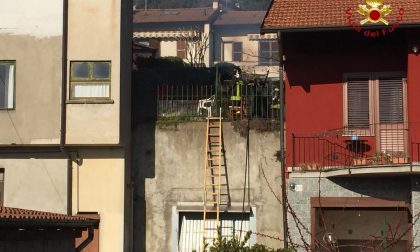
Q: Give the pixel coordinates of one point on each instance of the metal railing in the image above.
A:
(378, 144)
(237, 102)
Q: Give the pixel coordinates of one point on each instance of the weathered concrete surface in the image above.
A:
(390, 188)
(169, 161)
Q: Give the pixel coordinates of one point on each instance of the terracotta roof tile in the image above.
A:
(9, 215)
(172, 15)
(295, 14)
(240, 18)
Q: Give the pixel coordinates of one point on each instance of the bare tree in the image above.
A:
(196, 45)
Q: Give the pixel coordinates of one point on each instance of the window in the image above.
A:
(232, 51)
(268, 53)
(90, 79)
(181, 49)
(190, 228)
(7, 84)
(391, 108)
(358, 103)
(373, 98)
(1, 186)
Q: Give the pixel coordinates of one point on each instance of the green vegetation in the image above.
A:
(236, 245)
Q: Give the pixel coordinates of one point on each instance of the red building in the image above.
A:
(349, 95)
(352, 82)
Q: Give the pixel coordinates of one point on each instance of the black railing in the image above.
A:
(239, 101)
(378, 144)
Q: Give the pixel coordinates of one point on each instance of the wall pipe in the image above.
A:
(63, 107)
(89, 239)
(282, 151)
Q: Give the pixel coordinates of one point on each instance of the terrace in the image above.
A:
(254, 100)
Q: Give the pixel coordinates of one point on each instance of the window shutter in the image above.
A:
(237, 51)
(391, 100)
(181, 49)
(358, 103)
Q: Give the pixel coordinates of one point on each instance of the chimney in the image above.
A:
(215, 4)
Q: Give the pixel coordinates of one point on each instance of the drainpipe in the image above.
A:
(64, 74)
(282, 152)
(88, 240)
(63, 106)
(69, 186)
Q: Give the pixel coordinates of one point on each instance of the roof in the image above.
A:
(173, 15)
(23, 217)
(300, 14)
(240, 17)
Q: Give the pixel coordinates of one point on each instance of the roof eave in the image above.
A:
(329, 28)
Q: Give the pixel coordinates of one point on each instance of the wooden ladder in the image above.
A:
(214, 170)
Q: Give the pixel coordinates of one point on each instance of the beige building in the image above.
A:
(65, 72)
(229, 35)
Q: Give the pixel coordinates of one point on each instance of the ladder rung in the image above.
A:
(218, 158)
(210, 229)
(214, 118)
(213, 135)
(214, 126)
(212, 211)
(216, 175)
(211, 202)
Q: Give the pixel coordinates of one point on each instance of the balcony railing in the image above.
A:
(236, 102)
(379, 144)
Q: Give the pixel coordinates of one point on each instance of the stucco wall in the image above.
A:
(315, 99)
(94, 34)
(98, 186)
(250, 48)
(170, 159)
(35, 182)
(168, 48)
(27, 29)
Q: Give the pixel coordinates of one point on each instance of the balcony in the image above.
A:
(380, 148)
(235, 102)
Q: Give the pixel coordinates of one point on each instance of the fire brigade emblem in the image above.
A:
(375, 11)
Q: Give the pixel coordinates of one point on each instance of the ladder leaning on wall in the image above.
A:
(214, 170)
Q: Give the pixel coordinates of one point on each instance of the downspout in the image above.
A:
(88, 240)
(64, 74)
(282, 151)
(63, 107)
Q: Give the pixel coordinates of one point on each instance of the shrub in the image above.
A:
(235, 245)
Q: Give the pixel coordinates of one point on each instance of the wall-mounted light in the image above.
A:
(292, 186)
(415, 49)
(330, 238)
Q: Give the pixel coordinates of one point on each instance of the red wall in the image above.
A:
(413, 96)
(315, 64)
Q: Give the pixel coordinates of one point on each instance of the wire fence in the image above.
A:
(237, 101)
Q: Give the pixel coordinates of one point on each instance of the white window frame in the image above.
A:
(11, 97)
(271, 60)
(232, 51)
